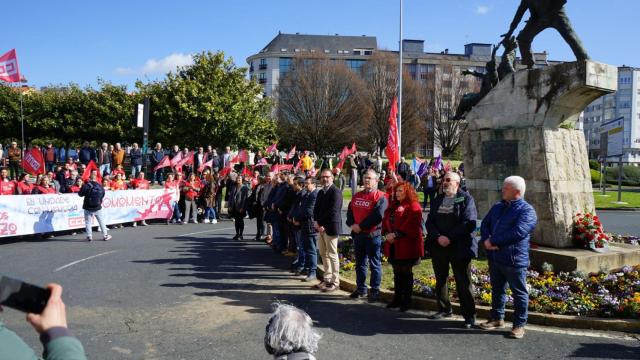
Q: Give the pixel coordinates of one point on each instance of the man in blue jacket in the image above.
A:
(506, 231)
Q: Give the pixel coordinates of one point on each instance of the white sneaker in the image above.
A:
(206, 221)
(173, 221)
(135, 224)
(214, 221)
(144, 223)
(195, 221)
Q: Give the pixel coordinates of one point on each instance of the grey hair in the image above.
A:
(453, 176)
(374, 173)
(517, 183)
(291, 330)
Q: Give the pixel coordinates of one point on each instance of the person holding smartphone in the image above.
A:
(51, 324)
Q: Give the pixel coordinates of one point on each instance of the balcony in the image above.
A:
(262, 66)
(262, 81)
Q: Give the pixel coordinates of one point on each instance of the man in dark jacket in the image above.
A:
(403, 169)
(450, 226)
(86, 154)
(506, 232)
(328, 222)
(308, 231)
(58, 342)
(275, 197)
(298, 264)
(156, 156)
(135, 155)
(364, 216)
(93, 194)
(104, 159)
(287, 241)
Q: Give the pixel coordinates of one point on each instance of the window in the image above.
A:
(263, 76)
(355, 65)
(357, 52)
(284, 66)
(368, 52)
(425, 70)
(263, 64)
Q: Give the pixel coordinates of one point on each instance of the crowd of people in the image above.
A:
(298, 211)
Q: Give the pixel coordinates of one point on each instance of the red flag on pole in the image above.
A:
(224, 172)
(291, 153)
(87, 172)
(163, 163)
(392, 141)
(271, 148)
(246, 171)
(9, 71)
(275, 168)
(176, 159)
(242, 156)
(33, 161)
(353, 149)
(186, 160)
(206, 164)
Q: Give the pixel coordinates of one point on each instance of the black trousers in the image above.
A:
(259, 224)
(238, 221)
(441, 259)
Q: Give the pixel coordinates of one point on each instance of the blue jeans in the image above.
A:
(310, 245)
(158, 176)
(516, 278)
(177, 215)
(300, 260)
(368, 252)
(135, 170)
(209, 213)
(277, 236)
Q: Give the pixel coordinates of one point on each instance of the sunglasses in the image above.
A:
(447, 180)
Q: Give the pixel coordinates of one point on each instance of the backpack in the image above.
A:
(94, 196)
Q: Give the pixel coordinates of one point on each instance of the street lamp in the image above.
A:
(23, 80)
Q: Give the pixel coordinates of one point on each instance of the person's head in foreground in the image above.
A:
(290, 334)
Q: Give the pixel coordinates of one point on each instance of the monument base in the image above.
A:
(588, 261)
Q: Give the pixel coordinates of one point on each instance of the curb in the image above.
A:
(619, 209)
(561, 321)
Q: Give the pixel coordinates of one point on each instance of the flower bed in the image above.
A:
(611, 295)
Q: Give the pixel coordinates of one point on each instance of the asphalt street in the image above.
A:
(190, 292)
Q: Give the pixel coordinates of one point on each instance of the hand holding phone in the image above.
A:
(22, 296)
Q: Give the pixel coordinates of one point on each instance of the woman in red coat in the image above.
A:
(403, 246)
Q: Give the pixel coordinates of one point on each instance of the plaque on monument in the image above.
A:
(503, 152)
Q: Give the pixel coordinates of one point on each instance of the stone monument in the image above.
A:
(525, 126)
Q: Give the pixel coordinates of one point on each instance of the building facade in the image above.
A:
(272, 62)
(624, 103)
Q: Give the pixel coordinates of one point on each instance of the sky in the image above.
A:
(59, 42)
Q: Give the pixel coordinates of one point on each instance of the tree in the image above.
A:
(209, 102)
(380, 74)
(444, 90)
(321, 105)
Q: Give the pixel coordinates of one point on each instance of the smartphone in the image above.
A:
(22, 296)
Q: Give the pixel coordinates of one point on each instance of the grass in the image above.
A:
(423, 269)
(632, 198)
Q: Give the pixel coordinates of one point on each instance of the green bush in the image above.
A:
(630, 175)
(594, 164)
(595, 176)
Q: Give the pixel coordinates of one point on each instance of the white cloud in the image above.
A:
(482, 9)
(158, 66)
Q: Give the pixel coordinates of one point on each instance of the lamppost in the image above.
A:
(23, 80)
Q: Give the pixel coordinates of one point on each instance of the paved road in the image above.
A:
(189, 292)
(620, 222)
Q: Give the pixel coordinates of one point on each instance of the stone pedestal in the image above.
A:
(515, 130)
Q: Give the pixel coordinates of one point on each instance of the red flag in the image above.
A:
(206, 164)
(295, 170)
(447, 166)
(285, 167)
(353, 149)
(275, 168)
(9, 71)
(176, 159)
(262, 161)
(163, 163)
(224, 172)
(242, 156)
(186, 160)
(87, 172)
(392, 142)
(344, 153)
(246, 171)
(271, 148)
(291, 153)
(33, 161)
